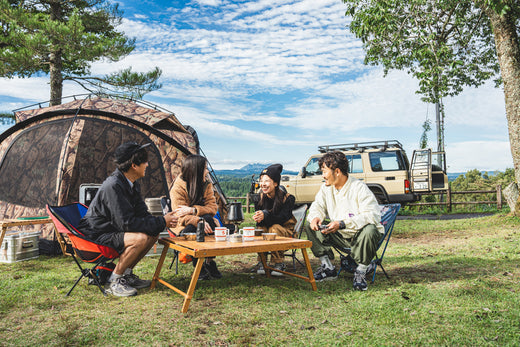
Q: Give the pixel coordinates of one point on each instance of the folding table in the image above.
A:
(212, 248)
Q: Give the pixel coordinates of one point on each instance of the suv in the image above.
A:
(382, 165)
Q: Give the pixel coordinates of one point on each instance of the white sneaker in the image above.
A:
(260, 270)
(279, 266)
(120, 287)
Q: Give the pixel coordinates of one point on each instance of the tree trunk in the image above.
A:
(508, 51)
(56, 79)
(55, 60)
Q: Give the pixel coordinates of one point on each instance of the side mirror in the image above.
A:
(304, 172)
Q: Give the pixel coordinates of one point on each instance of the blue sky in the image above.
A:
(269, 80)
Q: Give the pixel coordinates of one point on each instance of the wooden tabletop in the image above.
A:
(212, 248)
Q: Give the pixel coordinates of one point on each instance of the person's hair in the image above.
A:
(192, 173)
(137, 158)
(279, 196)
(335, 160)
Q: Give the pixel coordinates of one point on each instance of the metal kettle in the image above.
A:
(235, 213)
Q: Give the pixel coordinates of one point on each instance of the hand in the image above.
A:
(258, 216)
(332, 227)
(171, 219)
(182, 210)
(315, 224)
(207, 228)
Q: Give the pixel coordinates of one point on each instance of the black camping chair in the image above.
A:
(388, 217)
(299, 213)
(66, 220)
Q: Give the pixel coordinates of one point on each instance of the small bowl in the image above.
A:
(269, 236)
(190, 236)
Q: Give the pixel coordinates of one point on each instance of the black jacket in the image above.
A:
(278, 217)
(117, 207)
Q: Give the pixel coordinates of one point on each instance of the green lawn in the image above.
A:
(451, 283)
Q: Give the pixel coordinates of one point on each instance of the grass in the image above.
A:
(452, 282)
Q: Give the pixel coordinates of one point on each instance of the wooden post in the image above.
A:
(499, 197)
(247, 203)
(448, 198)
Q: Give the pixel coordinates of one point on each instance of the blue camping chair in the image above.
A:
(388, 217)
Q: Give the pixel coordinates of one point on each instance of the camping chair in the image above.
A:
(388, 216)
(66, 220)
(298, 213)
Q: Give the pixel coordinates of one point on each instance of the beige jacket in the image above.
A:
(354, 204)
(180, 197)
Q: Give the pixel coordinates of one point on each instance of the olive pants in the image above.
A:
(363, 244)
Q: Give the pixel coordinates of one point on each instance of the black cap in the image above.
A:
(124, 152)
(274, 171)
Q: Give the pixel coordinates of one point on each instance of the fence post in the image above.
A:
(247, 203)
(499, 197)
(448, 198)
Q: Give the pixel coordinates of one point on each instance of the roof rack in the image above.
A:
(361, 146)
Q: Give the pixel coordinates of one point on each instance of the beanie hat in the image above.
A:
(125, 151)
(274, 171)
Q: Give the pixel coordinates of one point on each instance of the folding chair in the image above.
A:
(388, 217)
(298, 213)
(66, 220)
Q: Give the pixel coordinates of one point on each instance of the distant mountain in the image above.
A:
(248, 170)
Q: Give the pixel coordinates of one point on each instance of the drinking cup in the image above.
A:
(221, 233)
(248, 233)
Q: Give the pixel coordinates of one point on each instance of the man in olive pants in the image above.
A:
(354, 220)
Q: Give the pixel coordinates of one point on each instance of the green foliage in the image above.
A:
(65, 37)
(427, 126)
(234, 186)
(445, 44)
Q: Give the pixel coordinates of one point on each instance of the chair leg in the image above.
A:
(176, 260)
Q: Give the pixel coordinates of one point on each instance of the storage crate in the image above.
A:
(18, 246)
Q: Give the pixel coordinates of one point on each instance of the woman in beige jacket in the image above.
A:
(193, 198)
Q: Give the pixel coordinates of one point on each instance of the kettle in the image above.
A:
(235, 213)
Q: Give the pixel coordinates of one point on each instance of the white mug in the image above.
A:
(221, 233)
(248, 233)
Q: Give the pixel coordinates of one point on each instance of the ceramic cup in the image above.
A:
(248, 233)
(221, 233)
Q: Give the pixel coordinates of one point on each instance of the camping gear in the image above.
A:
(66, 219)
(235, 216)
(299, 213)
(51, 151)
(388, 217)
(18, 246)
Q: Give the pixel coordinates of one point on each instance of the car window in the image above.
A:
(355, 164)
(313, 168)
(386, 161)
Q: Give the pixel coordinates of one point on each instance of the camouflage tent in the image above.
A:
(51, 151)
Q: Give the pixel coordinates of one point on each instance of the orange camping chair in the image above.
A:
(66, 220)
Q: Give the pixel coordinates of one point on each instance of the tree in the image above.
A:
(447, 45)
(62, 38)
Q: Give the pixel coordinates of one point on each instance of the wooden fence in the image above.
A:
(449, 198)
(448, 203)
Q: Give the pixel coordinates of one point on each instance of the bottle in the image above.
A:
(200, 230)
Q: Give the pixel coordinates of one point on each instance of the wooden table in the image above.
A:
(212, 248)
(9, 223)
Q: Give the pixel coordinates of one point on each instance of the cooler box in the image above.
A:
(18, 246)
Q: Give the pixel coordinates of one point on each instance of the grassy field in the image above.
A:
(452, 282)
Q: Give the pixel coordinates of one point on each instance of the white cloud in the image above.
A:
(481, 155)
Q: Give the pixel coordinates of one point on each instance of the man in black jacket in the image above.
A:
(118, 217)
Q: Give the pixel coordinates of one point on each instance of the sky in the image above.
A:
(268, 81)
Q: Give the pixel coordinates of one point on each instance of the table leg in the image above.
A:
(159, 266)
(193, 284)
(263, 258)
(309, 269)
(2, 234)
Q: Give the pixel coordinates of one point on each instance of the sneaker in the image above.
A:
(135, 282)
(260, 270)
(360, 281)
(211, 266)
(348, 264)
(371, 267)
(278, 266)
(325, 274)
(119, 287)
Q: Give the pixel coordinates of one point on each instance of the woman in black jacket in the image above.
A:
(273, 212)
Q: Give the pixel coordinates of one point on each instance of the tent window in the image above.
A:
(28, 169)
